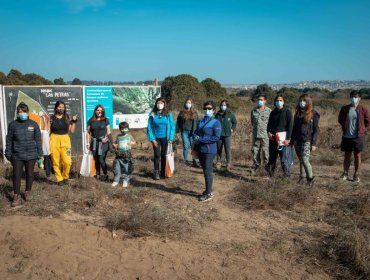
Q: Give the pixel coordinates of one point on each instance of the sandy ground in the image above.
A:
(238, 245)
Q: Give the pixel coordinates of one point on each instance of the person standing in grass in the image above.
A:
(98, 137)
(354, 119)
(279, 130)
(23, 148)
(228, 125)
(123, 163)
(186, 124)
(60, 142)
(260, 142)
(206, 137)
(305, 136)
(160, 131)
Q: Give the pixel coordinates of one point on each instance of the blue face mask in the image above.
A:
(279, 104)
(22, 116)
(354, 100)
(260, 103)
(124, 132)
(208, 113)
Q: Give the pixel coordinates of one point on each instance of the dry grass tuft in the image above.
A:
(278, 194)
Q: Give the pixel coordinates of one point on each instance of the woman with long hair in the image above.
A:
(98, 137)
(279, 131)
(160, 131)
(61, 124)
(228, 125)
(305, 135)
(186, 124)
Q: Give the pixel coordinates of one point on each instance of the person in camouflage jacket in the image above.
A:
(260, 141)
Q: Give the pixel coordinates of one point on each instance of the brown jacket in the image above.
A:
(363, 119)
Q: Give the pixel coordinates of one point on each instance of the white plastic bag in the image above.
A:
(170, 161)
(86, 164)
(45, 142)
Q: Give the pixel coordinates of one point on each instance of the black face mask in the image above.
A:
(60, 111)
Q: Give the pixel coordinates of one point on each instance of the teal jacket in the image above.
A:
(228, 122)
(170, 127)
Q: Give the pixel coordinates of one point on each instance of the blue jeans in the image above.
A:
(121, 168)
(187, 141)
(286, 158)
(206, 161)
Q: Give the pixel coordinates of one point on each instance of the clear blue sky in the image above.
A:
(231, 41)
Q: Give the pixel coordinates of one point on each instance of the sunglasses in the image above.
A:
(207, 108)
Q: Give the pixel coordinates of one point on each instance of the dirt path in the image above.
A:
(238, 245)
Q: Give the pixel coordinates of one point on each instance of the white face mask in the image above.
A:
(302, 104)
(223, 107)
(160, 106)
(188, 105)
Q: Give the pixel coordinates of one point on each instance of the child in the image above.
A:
(123, 164)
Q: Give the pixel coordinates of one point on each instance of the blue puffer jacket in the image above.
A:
(170, 127)
(208, 135)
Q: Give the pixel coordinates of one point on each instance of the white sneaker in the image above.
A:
(114, 184)
(125, 184)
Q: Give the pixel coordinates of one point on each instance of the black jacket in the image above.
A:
(306, 132)
(181, 122)
(23, 141)
(281, 120)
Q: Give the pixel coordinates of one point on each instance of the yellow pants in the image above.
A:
(60, 148)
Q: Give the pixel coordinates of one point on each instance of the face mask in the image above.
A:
(124, 132)
(160, 106)
(223, 107)
(354, 100)
(260, 103)
(99, 113)
(208, 113)
(302, 104)
(188, 105)
(22, 116)
(60, 111)
(279, 104)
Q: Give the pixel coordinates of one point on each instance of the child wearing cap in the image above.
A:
(123, 163)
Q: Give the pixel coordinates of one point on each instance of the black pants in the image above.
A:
(273, 155)
(206, 161)
(160, 155)
(100, 163)
(48, 165)
(17, 174)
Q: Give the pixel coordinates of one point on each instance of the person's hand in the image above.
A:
(286, 142)
(88, 146)
(313, 148)
(177, 135)
(169, 142)
(155, 143)
(270, 135)
(75, 118)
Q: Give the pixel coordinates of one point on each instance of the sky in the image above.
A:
(234, 42)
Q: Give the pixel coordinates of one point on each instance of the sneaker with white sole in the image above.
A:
(125, 184)
(356, 179)
(344, 177)
(206, 197)
(114, 184)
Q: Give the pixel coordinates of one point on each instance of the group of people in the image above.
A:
(274, 134)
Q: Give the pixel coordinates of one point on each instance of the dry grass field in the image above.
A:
(253, 229)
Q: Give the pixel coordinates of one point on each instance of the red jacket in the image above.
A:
(363, 119)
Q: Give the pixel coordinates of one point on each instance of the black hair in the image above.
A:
(261, 95)
(22, 107)
(65, 115)
(224, 101)
(355, 93)
(123, 125)
(209, 102)
(277, 96)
